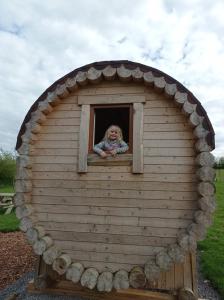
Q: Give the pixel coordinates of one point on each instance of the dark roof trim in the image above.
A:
(128, 65)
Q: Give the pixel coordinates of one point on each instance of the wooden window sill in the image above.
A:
(118, 160)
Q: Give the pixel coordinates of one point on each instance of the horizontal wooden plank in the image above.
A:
(169, 160)
(155, 102)
(169, 143)
(111, 99)
(178, 179)
(121, 258)
(55, 152)
(160, 135)
(115, 193)
(102, 266)
(118, 160)
(144, 231)
(61, 114)
(111, 90)
(54, 159)
(72, 159)
(161, 111)
(167, 127)
(56, 144)
(115, 211)
(69, 288)
(111, 238)
(111, 202)
(114, 185)
(178, 152)
(58, 136)
(63, 122)
(108, 248)
(60, 129)
(115, 220)
(165, 119)
(69, 106)
(150, 169)
(147, 152)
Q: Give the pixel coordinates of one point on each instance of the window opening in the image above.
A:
(102, 116)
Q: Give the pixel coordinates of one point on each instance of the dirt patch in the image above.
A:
(16, 257)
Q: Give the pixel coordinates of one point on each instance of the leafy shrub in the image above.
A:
(7, 167)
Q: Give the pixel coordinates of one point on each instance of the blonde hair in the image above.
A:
(120, 135)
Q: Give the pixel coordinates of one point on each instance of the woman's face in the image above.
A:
(113, 133)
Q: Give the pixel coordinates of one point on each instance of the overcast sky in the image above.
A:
(41, 41)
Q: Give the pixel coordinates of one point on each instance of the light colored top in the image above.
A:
(107, 145)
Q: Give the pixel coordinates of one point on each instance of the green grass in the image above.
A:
(8, 222)
(212, 248)
(7, 189)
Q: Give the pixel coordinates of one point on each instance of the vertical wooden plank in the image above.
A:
(162, 281)
(170, 279)
(179, 276)
(138, 139)
(194, 273)
(84, 139)
(187, 272)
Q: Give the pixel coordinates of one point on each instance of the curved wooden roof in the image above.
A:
(131, 66)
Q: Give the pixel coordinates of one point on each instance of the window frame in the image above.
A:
(92, 124)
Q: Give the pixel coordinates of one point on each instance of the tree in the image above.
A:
(7, 167)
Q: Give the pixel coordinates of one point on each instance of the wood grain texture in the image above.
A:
(84, 139)
(137, 165)
(116, 218)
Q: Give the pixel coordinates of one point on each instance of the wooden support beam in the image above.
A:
(84, 139)
(138, 138)
(69, 288)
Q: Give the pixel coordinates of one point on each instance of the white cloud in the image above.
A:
(40, 42)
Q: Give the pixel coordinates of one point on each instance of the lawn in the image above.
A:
(8, 222)
(7, 189)
(212, 248)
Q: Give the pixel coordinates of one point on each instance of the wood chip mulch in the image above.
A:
(16, 257)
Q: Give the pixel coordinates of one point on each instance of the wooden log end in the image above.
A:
(180, 98)
(89, 278)
(159, 84)
(51, 254)
(109, 73)
(163, 260)
(94, 76)
(148, 79)
(137, 278)
(74, 272)
(62, 91)
(186, 294)
(170, 90)
(206, 189)
(176, 254)
(124, 74)
(105, 282)
(152, 270)
(205, 159)
(61, 264)
(121, 280)
(137, 75)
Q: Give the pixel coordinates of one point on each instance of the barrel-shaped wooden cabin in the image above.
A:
(129, 221)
